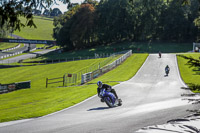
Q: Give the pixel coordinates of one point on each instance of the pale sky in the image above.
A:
(63, 7)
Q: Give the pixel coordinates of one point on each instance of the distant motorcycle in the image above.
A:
(110, 99)
(159, 54)
(167, 71)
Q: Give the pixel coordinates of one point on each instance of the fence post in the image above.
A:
(46, 82)
(64, 80)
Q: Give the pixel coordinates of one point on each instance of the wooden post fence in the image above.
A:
(47, 80)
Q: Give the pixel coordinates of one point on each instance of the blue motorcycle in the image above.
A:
(110, 99)
(167, 71)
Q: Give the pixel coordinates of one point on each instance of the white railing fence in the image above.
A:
(94, 74)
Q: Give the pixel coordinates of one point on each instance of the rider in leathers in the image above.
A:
(107, 87)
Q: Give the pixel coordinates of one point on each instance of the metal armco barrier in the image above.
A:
(91, 75)
(85, 77)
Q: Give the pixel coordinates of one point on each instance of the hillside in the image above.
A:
(43, 31)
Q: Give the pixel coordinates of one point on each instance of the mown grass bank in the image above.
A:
(190, 75)
(43, 31)
(38, 74)
(125, 71)
(39, 101)
(4, 46)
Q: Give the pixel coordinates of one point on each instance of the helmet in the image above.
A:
(99, 83)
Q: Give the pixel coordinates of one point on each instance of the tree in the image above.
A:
(81, 32)
(11, 10)
(46, 12)
(93, 2)
(55, 12)
(62, 24)
(112, 20)
(77, 31)
(37, 12)
(4, 31)
(119, 20)
(176, 22)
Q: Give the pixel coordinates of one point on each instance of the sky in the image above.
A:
(63, 7)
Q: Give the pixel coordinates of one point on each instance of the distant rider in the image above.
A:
(159, 54)
(107, 87)
(167, 69)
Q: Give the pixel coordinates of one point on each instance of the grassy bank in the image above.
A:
(38, 74)
(125, 71)
(190, 75)
(39, 101)
(43, 31)
(4, 46)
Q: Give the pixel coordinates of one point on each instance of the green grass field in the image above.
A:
(4, 45)
(38, 74)
(39, 101)
(190, 75)
(7, 45)
(43, 31)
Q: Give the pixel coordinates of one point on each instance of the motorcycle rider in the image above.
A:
(107, 87)
(159, 54)
(167, 69)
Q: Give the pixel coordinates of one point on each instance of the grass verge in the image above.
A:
(190, 75)
(39, 101)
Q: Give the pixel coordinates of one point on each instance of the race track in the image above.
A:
(149, 98)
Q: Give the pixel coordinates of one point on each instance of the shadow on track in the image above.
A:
(99, 108)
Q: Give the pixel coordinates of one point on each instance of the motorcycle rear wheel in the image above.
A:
(108, 102)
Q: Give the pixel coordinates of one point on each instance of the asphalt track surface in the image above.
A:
(149, 98)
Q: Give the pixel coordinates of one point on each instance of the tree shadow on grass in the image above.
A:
(197, 71)
(194, 87)
(191, 62)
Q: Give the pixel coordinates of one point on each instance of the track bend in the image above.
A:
(149, 98)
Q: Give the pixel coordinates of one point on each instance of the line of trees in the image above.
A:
(52, 12)
(108, 21)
